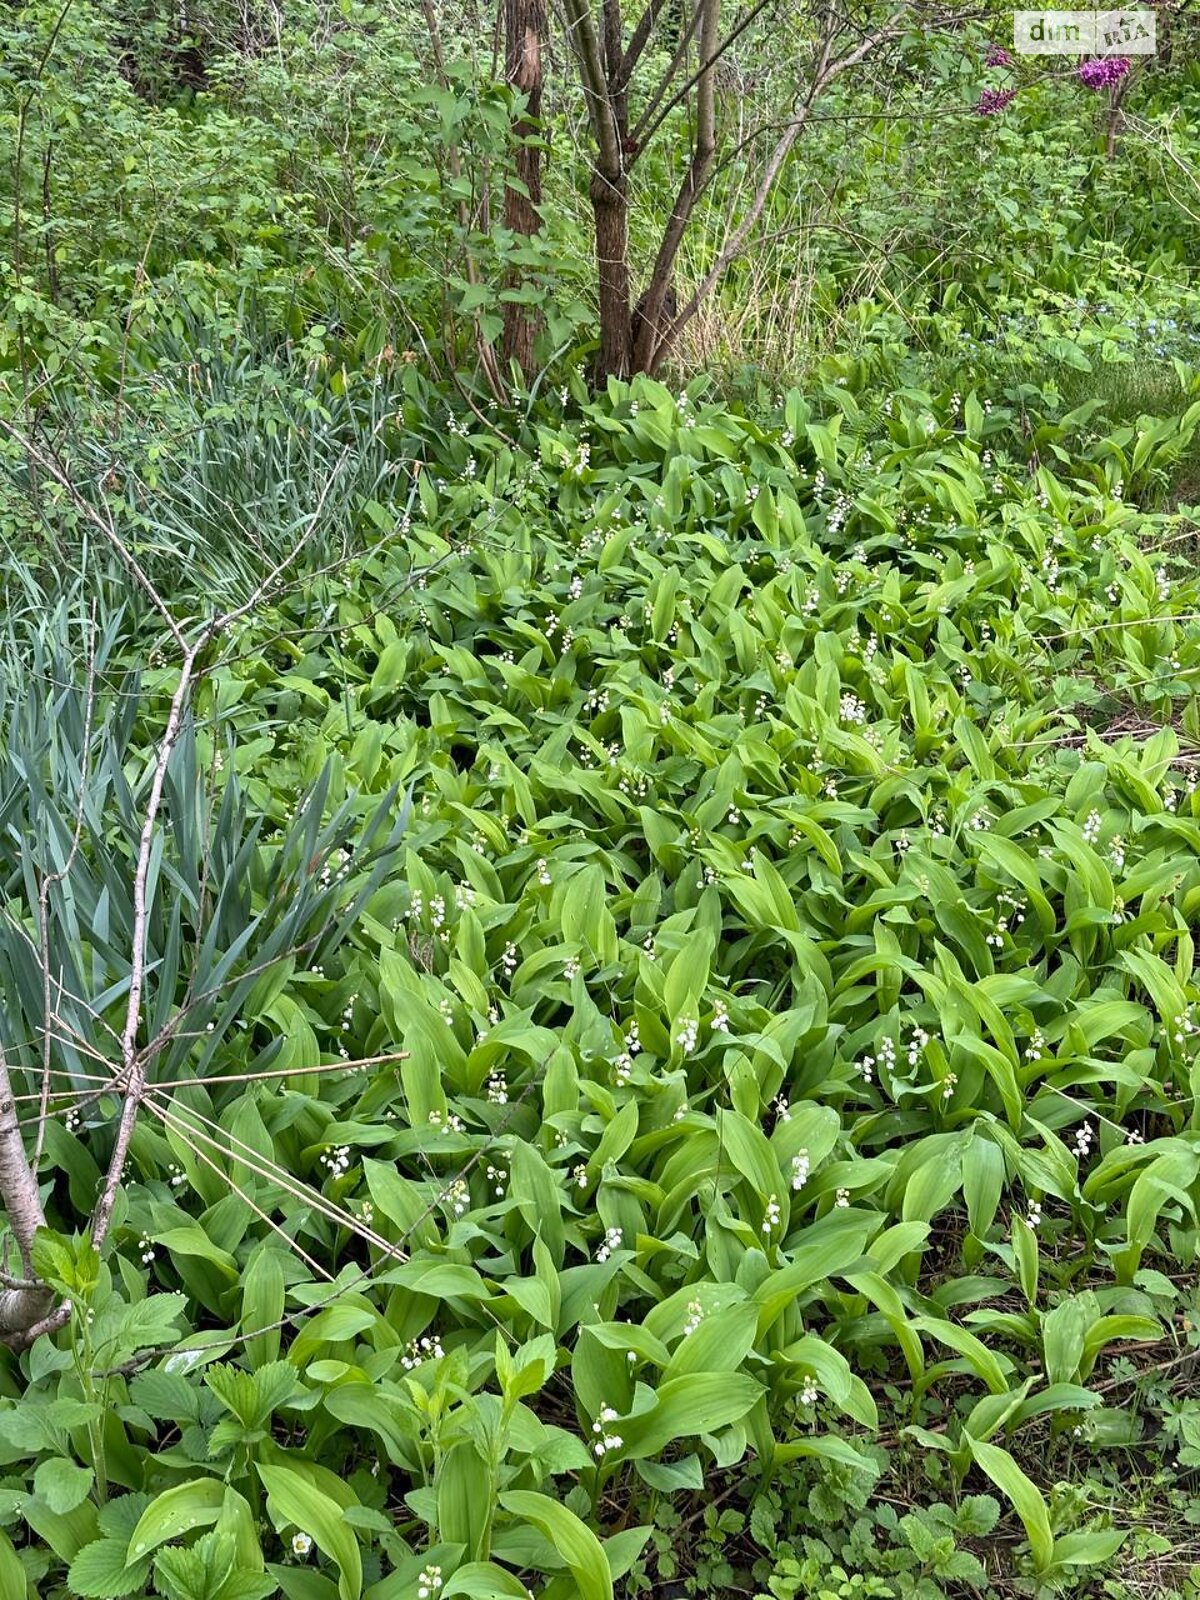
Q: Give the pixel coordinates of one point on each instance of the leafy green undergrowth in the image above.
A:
(793, 1158)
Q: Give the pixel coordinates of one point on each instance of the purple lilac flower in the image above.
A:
(1103, 71)
(993, 100)
(997, 57)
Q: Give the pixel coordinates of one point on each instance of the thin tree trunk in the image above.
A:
(609, 195)
(649, 331)
(18, 1186)
(827, 68)
(610, 206)
(49, 243)
(616, 294)
(525, 27)
(22, 1305)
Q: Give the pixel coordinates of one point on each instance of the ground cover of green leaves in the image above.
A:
(790, 941)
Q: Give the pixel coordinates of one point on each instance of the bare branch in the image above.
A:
(365, 1274)
(639, 39)
(134, 1074)
(133, 1063)
(827, 68)
(168, 1121)
(104, 525)
(586, 46)
(649, 123)
(648, 334)
(263, 1167)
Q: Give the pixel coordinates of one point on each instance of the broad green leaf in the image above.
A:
(578, 1547)
(464, 1498)
(294, 1502)
(1024, 1496)
(700, 1402)
(1064, 1335)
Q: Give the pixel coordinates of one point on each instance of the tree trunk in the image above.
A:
(610, 185)
(610, 205)
(650, 340)
(22, 1307)
(524, 30)
(21, 1310)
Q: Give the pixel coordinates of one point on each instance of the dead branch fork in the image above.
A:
(27, 1306)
